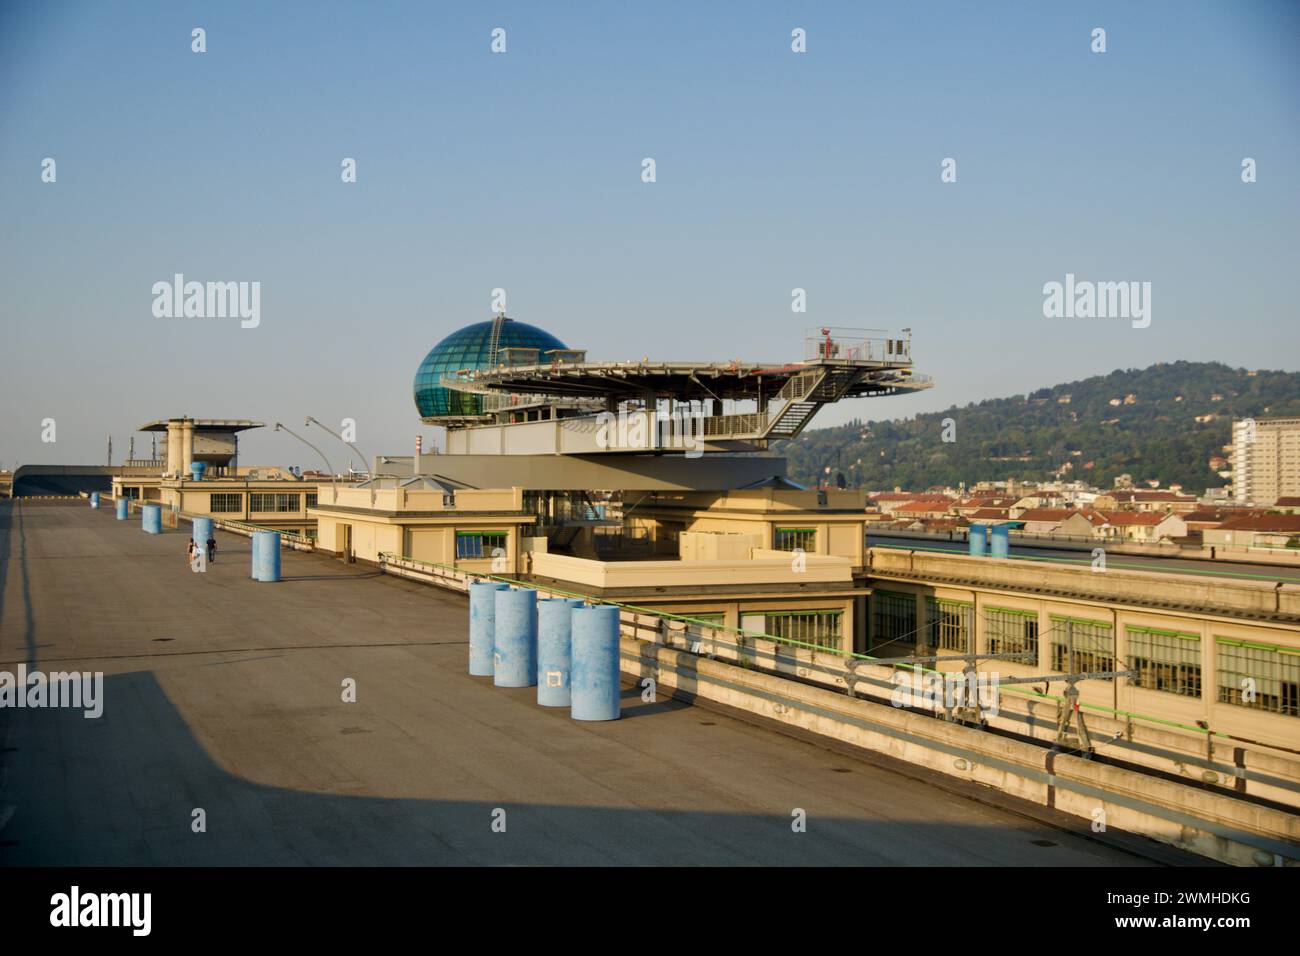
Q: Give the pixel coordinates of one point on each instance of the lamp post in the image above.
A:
(313, 421)
(333, 475)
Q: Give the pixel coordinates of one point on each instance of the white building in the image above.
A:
(1265, 459)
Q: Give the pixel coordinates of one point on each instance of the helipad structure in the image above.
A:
(533, 399)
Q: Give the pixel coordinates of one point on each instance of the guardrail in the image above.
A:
(295, 542)
(1189, 752)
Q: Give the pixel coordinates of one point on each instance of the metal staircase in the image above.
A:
(804, 394)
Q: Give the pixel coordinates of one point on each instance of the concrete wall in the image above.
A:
(692, 574)
(1210, 823)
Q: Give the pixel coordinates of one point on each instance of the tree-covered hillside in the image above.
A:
(1152, 433)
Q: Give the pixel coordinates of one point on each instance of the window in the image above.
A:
(479, 544)
(1010, 631)
(1094, 645)
(787, 539)
(1165, 660)
(948, 624)
(272, 501)
(708, 617)
(820, 628)
(311, 499)
(225, 503)
(1262, 676)
(893, 618)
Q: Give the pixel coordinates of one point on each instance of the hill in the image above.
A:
(1142, 422)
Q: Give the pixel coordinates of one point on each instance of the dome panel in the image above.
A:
(473, 347)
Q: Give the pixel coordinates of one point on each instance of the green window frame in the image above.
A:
(1168, 661)
(1275, 671)
(949, 624)
(479, 544)
(1009, 630)
(1094, 645)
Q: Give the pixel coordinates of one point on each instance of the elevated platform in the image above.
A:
(667, 406)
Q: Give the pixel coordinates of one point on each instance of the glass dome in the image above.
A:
(472, 347)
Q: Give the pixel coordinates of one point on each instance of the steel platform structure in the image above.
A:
(569, 405)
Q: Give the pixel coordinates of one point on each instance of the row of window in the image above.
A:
(232, 502)
(821, 628)
(791, 539)
(1261, 676)
(480, 544)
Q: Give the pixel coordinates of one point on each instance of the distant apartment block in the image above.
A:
(1265, 459)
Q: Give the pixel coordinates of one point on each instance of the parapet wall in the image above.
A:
(1110, 586)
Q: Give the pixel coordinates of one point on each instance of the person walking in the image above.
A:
(212, 549)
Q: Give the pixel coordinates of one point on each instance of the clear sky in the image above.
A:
(522, 170)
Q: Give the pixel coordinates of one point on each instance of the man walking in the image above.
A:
(212, 549)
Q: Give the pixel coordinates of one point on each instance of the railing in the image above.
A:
(1148, 741)
(855, 345)
(297, 542)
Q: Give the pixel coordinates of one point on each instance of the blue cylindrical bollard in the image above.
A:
(123, 509)
(94, 499)
(482, 625)
(1000, 546)
(514, 639)
(977, 540)
(266, 555)
(197, 468)
(200, 531)
(151, 519)
(596, 689)
(555, 650)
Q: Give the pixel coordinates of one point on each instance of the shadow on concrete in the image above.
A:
(13, 557)
(122, 790)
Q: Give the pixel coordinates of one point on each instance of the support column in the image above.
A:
(173, 448)
(187, 446)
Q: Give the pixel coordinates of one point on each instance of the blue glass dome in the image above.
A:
(473, 347)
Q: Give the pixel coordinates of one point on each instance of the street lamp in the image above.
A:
(333, 475)
(313, 421)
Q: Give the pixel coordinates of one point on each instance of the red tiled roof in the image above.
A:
(922, 507)
(1286, 523)
(1119, 518)
(1046, 514)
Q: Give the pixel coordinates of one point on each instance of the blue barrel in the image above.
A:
(482, 625)
(977, 541)
(151, 519)
(123, 509)
(94, 499)
(200, 531)
(596, 689)
(197, 468)
(514, 638)
(554, 650)
(1001, 543)
(266, 555)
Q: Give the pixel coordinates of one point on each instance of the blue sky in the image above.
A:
(522, 170)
